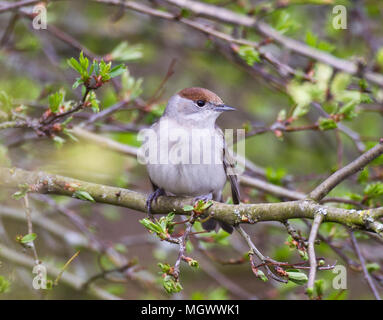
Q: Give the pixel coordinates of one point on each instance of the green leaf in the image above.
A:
(56, 100)
(374, 190)
(302, 96)
(84, 62)
(193, 263)
(4, 285)
(327, 124)
(326, 46)
(117, 71)
(78, 82)
(319, 287)
(95, 103)
(148, 224)
(202, 206)
(105, 70)
(19, 195)
(170, 285)
(83, 195)
(260, 274)
(73, 63)
(311, 39)
(364, 175)
(303, 254)
(340, 83)
(165, 268)
(275, 176)
(297, 277)
(28, 238)
(249, 54)
(284, 23)
(366, 98)
(371, 267)
(348, 110)
(126, 52)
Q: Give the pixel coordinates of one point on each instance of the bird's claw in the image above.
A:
(153, 197)
(204, 198)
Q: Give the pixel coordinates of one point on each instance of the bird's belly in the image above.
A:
(192, 165)
(188, 179)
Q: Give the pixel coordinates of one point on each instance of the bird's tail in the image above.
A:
(211, 224)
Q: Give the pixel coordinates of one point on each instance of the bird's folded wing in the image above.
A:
(229, 164)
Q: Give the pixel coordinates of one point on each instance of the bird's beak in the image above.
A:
(224, 107)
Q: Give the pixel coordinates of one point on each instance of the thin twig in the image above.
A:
(256, 252)
(366, 274)
(311, 252)
(30, 226)
(182, 245)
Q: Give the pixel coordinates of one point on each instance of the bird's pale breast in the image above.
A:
(194, 165)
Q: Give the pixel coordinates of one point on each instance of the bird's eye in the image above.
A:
(200, 103)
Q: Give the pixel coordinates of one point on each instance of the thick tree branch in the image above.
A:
(42, 182)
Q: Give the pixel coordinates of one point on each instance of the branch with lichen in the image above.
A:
(42, 182)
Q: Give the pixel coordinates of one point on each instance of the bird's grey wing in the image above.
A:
(229, 164)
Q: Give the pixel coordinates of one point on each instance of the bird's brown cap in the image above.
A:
(200, 94)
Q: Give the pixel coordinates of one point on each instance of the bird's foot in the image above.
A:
(204, 198)
(202, 203)
(208, 223)
(153, 197)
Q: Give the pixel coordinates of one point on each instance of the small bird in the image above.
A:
(191, 168)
